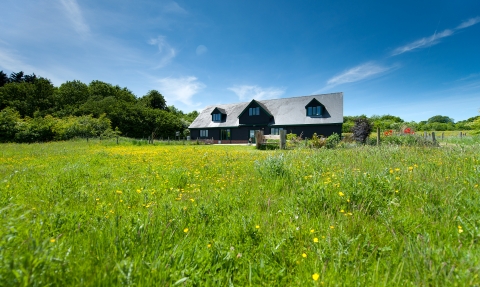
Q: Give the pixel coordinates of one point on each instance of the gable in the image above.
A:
(255, 113)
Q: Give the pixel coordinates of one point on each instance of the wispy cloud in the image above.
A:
(166, 52)
(180, 89)
(358, 73)
(246, 92)
(435, 38)
(469, 22)
(75, 15)
(173, 7)
(201, 50)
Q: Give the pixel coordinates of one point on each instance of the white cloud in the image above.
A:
(166, 52)
(469, 22)
(435, 38)
(246, 93)
(180, 89)
(357, 73)
(173, 7)
(201, 50)
(422, 43)
(75, 15)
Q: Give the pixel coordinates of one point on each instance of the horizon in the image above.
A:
(411, 60)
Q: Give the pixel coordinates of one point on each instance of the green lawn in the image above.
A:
(101, 214)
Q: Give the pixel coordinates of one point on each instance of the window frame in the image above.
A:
(254, 111)
(217, 117)
(275, 131)
(315, 111)
(204, 133)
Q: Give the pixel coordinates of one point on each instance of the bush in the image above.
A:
(84, 126)
(38, 129)
(316, 141)
(332, 141)
(9, 119)
(362, 129)
(407, 140)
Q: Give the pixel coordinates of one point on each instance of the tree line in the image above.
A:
(435, 123)
(33, 109)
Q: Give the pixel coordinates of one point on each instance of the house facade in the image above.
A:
(236, 123)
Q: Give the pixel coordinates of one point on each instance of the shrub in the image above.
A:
(316, 141)
(332, 141)
(362, 129)
(8, 124)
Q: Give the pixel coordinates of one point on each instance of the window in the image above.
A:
(225, 134)
(216, 117)
(204, 133)
(314, 111)
(254, 111)
(275, 131)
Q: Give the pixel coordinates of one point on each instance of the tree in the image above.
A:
(3, 79)
(16, 77)
(361, 129)
(153, 99)
(440, 119)
(69, 97)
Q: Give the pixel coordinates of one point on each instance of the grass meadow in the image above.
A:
(101, 214)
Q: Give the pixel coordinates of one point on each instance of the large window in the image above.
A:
(216, 117)
(204, 133)
(275, 131)
(225, 134)
(254, 111)
(314, 111)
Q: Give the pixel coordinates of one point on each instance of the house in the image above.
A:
(236, 123)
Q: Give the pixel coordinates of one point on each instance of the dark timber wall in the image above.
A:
(242, 133)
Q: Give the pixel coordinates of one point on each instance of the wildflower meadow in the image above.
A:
(96, 213)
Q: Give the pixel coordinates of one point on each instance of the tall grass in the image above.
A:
(101, 214)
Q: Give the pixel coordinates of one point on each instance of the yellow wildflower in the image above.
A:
(315, 276)
(341, 193)
(304, 255)
(185, 230)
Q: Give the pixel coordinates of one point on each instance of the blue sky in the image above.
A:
(413, 59)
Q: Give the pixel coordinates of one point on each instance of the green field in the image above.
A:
(101, 214)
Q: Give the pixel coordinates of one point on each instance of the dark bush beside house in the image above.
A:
(362, 129)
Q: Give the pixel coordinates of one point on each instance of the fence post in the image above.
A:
(433, 137)
(460, 134)
(258, 138)
(442, 136)
(378, 136)
(425, 134)
(283, 136)
(117, 139)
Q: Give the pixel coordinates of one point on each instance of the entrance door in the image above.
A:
(252, 136)
(225, 134)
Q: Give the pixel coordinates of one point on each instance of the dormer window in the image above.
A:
(254, 111)
(216, 117)
(314, 111)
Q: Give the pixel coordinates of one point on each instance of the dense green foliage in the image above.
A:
(436, 123)
(36, 98)
(101, 214)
